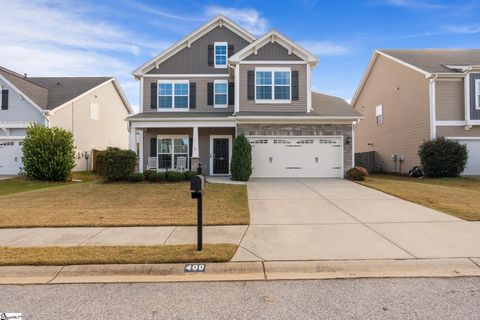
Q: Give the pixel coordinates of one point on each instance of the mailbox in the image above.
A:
(197, 184)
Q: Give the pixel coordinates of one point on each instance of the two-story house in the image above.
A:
(92, 108)
(220, 81)
(409, 96)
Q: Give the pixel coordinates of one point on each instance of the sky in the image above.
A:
(114, 37)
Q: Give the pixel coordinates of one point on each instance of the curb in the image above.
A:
(241, 271)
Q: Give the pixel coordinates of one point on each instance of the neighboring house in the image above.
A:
(92, 108)
(221, 81)
(409, 96)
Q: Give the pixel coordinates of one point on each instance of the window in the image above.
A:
(172, 153)
(173, 94)
(379, 115)
(221, 54)
(477, 93)
(273, 85)
(220, 94)
(93, 111)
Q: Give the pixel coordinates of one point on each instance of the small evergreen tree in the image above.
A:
(443, 157)
(48, 153)
(115, 164)
(241, 166)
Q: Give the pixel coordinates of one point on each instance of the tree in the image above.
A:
(241, 166)
(115, 164)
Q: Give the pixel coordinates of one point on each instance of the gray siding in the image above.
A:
(474, 113)
(194, 60)
(19, 109)
(201, 88)
(299, 105)
(273, 52)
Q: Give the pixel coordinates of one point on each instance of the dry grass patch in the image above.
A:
(455, 196)
(62, 256)
(123, 204)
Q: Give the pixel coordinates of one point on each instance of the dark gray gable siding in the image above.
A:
(474, 113)
(273, 52)
(194, 60)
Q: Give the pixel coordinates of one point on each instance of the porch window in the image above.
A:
(477, 94)
(273, 85)
(173, 94)
(221, 54)
(221, 94)
(173, 153)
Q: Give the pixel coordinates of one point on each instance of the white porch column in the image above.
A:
(139, 133)
(132, 139)
(195, 152)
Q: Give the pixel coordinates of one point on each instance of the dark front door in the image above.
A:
(220, 156)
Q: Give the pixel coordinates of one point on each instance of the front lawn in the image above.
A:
(123, 204)
(61, 256)
(455, 196)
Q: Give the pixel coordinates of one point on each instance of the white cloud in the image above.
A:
(414, 4)
(462, 29)
(325, 48)
(250, 19)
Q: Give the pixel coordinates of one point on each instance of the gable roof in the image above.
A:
(34, 92)
(274, 36)
(188, 39)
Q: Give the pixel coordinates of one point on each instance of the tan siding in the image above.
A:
(404, 94)
(449, 100)
(201, 87)
(109, 130)
(299, 105)
(458, 131)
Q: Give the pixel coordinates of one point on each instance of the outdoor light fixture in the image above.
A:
(348, 140)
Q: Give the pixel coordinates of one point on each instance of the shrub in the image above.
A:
(174, 176)
(156, 177)
(48, 153)
(147, 173)
(357, 173)
(189, 174)
(241, 165)
(443, 158)
(115, 164)
(135, 177)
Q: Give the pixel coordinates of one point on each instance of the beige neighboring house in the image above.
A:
(92, 108)
(409, 96)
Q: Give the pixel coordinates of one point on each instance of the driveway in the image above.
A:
(318, 219)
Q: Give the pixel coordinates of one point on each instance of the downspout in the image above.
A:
(467, 102)
(433, 126)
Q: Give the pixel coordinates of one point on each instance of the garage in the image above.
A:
(10, 156)
(297, 157)
(473, 163)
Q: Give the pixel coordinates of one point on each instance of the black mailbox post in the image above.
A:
(197, 185)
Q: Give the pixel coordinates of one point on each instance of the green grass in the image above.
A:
(456, 196)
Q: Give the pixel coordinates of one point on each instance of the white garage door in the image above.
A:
(297, 157)
(10, 156)
(473, 163)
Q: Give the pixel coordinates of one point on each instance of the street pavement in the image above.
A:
(412, 298)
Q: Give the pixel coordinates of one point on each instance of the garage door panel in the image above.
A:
(473, 163)
(10, 156)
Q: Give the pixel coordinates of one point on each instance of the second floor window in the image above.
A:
(273, 85)
(220, 94)
(378, 115)
(173, 94)
(221, 49)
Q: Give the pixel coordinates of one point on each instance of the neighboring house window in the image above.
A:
(220, 94)
(173, 94)
(379, 115)
(172, 153)
(93, 111)
(221, 49)
(477, 93)
(273, 85)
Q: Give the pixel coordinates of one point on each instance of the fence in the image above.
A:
(368, 160)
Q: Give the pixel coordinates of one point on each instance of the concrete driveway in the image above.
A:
(318, 219)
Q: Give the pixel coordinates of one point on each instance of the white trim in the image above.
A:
(220, 44)
(12, 137)
(140, 149)
(1, 97)
(183, 123)
(273, 100)
(463, 138)
(190, 75)
(220, 21)
(212, 137)
(19, 92)
(140, 107)
(16, 124)
(272, 62)
(173, 108)
(477, 94)
(309, 89)
(300, 117)
(174, 136)
(432, 106)
(353, 145)
(466, 86)
(195, 146)
(215, 105)
(237, 89)
(451, 123)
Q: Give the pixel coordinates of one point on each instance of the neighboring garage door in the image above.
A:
(473, 163)
(297, 157)
(10, 156)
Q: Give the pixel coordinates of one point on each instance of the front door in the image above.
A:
(220, 156)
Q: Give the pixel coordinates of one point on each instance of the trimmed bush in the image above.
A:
(48, 153)
(174, 176)
(147, 173)
(241, 165)
(115, 164)
(135, 177)
(443, 158)
(156, 177)
(357, 174)
(189, 174)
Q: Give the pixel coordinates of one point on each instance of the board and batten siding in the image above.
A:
(273, 52)
(194, 60)
(449, 99)
(201, 93)
(19, 109)
(299, 105)
(404, 95)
